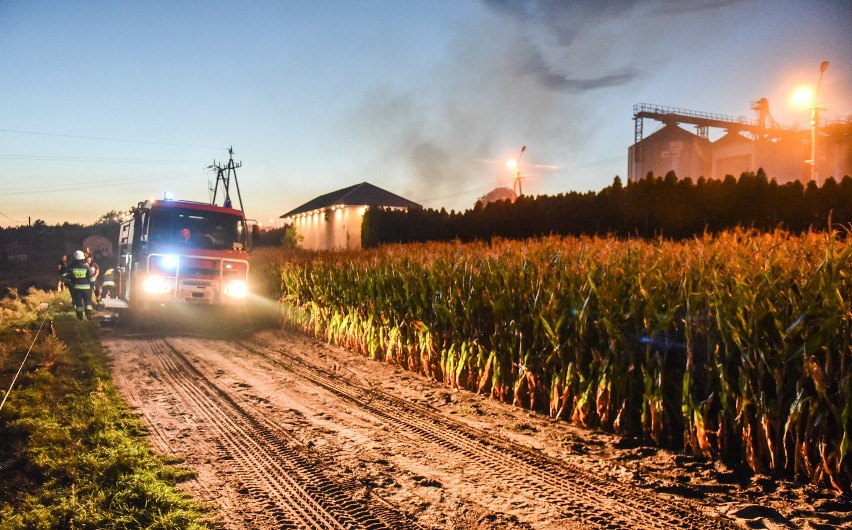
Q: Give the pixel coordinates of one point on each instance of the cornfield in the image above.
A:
(735, 346)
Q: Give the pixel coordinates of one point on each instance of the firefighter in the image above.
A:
(107, 289)
(60, 268)
(96, 271)
(80, 283)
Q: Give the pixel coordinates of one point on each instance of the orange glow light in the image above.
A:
(803, 97)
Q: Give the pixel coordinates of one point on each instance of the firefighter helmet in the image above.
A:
(79, 255)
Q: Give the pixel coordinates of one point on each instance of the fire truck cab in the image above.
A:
(181, 252)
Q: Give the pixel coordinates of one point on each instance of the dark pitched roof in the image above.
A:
(359, 194)
(734, 138)
(672, 132)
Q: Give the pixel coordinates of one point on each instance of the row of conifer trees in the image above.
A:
(652, 207)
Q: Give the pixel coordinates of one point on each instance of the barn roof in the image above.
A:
(364, 194)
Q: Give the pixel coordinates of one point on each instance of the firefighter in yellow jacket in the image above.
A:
(107, 281)
(80, 283)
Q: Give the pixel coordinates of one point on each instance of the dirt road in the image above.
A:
(288, 432)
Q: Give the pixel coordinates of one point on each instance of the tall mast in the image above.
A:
(224, 175)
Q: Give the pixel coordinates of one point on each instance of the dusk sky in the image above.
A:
(106, 103)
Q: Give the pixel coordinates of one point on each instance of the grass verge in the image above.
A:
(73, 455)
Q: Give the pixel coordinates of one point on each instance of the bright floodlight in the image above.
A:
(803, 97)
(156, 285)
(169, 261)
(512, 164)
(236, 289)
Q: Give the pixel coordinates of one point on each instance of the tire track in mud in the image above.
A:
(158, 438)
(571, 490)
(277, 472)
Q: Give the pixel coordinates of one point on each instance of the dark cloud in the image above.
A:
(536, 66)
(524, 74)
(563, 22)
(564, 19)
(569, 16)
(686, 8)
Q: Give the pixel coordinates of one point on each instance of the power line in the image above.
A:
(89, 184)
(124, 140)
(13, 220)
(51, 158)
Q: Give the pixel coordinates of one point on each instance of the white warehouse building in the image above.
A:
(333, 221)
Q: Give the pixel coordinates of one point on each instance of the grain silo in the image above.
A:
(731, 155)
(670, 149)
(747, 145)
(837, 150)
(783, 159)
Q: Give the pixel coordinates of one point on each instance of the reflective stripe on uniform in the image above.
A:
(79, 277)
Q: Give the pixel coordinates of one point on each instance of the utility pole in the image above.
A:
(815, 122)
(224, 174)
(517, 189)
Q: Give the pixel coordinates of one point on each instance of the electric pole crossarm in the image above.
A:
(223, 175)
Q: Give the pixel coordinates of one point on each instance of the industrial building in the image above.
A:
(333, 221)
(745, 145)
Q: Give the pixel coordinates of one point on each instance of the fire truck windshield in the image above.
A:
(197, 228)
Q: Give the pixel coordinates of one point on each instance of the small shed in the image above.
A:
(333, 221)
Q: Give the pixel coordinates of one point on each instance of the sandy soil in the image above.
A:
(332, 416)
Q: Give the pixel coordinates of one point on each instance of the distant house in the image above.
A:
(98, 245)
(333, 221)
(14, 252)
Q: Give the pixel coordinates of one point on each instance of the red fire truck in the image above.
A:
(181, 252)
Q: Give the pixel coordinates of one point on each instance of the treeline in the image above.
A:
(652, 207)
(284, 236)
(29, 254)
(41, 238)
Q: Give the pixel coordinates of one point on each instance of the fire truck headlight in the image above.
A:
(157, 285)
(169, 262)
(236, 289)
